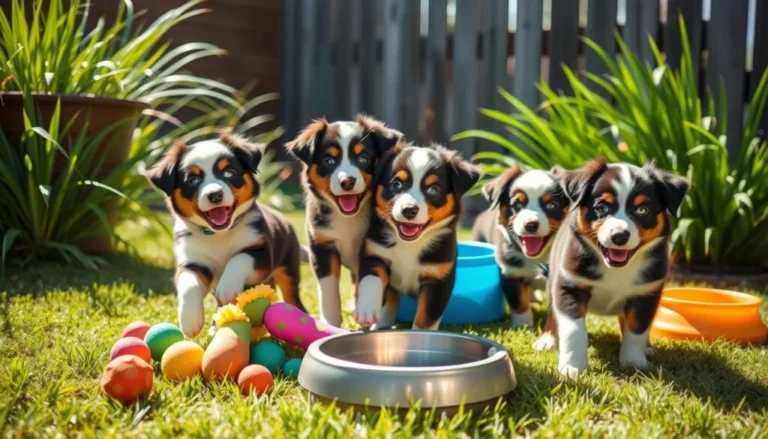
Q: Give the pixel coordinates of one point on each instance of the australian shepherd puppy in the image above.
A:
(526, 211)
(611, 257)
(410, 247)
(224, 239)
(338, 160)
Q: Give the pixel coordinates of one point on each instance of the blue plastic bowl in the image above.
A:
(477, 296)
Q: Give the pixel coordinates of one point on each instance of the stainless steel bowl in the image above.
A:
(397, 368)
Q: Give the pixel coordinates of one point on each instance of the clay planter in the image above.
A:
(98, 113)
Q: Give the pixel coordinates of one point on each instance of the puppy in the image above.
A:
(410, 247)
(338, 160)
(526, 210)
(612, 256)
(224, 238)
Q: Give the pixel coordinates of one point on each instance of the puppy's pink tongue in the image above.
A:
(617, 255)
(218, 215)
(348, 203)
(532, 244)
(409, 230)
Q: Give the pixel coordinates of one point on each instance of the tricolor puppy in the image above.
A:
(224, 239)
(339, 160)
(411, 243)
(611, 257)
(526, 210)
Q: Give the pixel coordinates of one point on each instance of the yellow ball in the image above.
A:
(182, 360)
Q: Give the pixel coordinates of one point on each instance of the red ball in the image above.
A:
(127, 378)
(136, 329)
(131, 346)
(255, 378)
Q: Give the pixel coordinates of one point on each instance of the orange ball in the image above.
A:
(255, 378)
(136, 329)
(127, 378)
(131, 346)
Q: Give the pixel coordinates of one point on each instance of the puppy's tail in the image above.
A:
(303, 253)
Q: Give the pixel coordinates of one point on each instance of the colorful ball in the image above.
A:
(269, 354)
(182, 360)
(131, 346)
(291, 368)
(136, 329)
(160, 337)
(127, 378)
(255, 378)
(225, 357)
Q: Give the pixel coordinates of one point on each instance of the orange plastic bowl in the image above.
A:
(709, 314)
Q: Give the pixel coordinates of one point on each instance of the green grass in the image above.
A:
(57, 325)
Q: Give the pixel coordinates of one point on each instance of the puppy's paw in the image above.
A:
(524, 320)
(228, 289)
(571, 371)
(546, 342)
(650, 351)
(191, 317)
(634, 361)
(367, 312)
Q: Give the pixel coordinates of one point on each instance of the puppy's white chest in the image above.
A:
(348, 233)
(405, 269)
(610, 294)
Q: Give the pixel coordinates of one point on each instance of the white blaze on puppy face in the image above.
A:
(418, 165)
(620, 221)
(348, 132)
(534, 184)
(204, 156)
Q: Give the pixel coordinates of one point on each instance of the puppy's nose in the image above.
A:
(620, 238)
(215, 196)
(531, 226)
(410, 212)
(348, 183)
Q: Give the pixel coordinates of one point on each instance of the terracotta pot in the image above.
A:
(92, 113)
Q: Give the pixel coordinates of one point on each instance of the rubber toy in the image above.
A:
(255, 378)
(227, 354)
(127, 378)
(182, 360)
(131, 346)
(291, 368)
(136, 329)
(160, 337)
(268, 354)
(254, 302)
(287, 323)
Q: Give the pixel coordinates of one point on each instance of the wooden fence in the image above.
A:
(429, 80)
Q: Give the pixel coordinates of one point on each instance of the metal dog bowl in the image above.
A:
(396, 368)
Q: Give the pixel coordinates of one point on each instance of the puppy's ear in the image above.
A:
(496, 190)
(384, 164)
(384, 138)
(463, 174)
(247, 152)
(303, 146)
(672, 189)
(163, 174)
(577, 183)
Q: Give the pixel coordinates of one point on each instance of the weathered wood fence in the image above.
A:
(427, 71)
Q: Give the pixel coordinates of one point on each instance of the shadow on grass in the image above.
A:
(691, 368)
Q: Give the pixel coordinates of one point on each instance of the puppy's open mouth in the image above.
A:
(616, 257)
(534, 245)
(410, 231)
(219, 217)
(349, 204)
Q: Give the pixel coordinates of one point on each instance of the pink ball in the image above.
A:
(136, 329)
(131, 346)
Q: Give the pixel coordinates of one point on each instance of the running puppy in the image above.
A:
(527, 209)
(224, 239)
(410, 247)
(339, 160)
(613, 256)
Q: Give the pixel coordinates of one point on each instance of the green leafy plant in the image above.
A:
(653, 113)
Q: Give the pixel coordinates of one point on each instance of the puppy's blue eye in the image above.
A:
(517, 206)
(228, 173)
(642, 210)
(397, 185)
(603, 209)
(551, 206)
(363, 159)
(329, 161)
(194, 180)
(433, 190)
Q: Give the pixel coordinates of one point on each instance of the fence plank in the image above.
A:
(760, 52)
(321, 80)
(309, 55)
(340, 103)
(394, 12)
(691, 12)
(642, 21)
(367, 55)
(494, 61)
(727, 55)
(410, 100)
(563, 42)
(527, 51)
(289, 64)
(601, 25)
(436, 69)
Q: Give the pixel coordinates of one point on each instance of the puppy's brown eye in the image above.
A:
(642, 210)
(433, 190)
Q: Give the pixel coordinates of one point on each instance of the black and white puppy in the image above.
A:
(410, 247)
(224, 238)
(526, 211)
(339, 160)
(612, 256)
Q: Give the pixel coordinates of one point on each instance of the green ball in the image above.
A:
(160, 337)
(291, 368)
(268, 354)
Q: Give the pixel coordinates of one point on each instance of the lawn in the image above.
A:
(57, 325)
